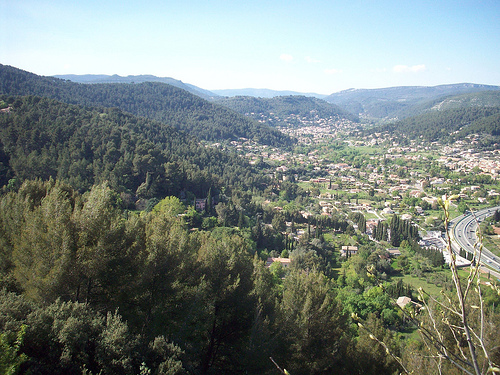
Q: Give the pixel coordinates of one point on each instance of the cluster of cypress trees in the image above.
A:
(380, 232)
(402, 230)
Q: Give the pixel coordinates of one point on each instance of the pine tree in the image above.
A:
(313, 324)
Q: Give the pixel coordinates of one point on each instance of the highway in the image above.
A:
(463, 232)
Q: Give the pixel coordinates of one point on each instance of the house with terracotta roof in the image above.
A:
(348, 251)
(284, 261)
(393, 252)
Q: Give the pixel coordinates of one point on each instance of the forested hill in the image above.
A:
(283, 106)
(264, 93)
(43, 138)
(450, 124)
(103, 78)
(158, 101)
(477, 99)
(399, 102)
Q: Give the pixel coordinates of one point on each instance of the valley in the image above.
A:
(405, 178)
(146, 227)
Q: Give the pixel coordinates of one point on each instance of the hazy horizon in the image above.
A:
(314, 46)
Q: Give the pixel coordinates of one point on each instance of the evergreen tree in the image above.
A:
(312, 325)
(224, 305)
(209, 204)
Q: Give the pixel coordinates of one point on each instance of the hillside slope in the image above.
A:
(158, 101)
(43, 138)
(283, 106)
(264, 93)
(448, 125)
(476, 99)
(389, 103)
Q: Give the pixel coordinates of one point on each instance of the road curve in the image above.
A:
(463, 232)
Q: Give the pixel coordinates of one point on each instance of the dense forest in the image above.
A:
(154, 100)
(86, 289)
(448, 125)
(43, 138)
(283, 106)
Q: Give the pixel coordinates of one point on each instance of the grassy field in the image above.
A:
(418, 282)
(431, 282)
(369, 215)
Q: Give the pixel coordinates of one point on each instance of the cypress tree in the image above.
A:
(208, 206)
(241, 220)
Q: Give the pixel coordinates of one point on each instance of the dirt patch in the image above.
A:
(496, 230)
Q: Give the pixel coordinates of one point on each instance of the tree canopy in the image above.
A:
(43, 138)
(154, 100)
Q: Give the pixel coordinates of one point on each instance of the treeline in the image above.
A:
(440, 125)
(434, 255)
(381, 232)
(158, 101)
(283, 106)
(43, 138)
(87, 289)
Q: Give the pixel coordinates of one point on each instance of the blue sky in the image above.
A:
(307, 46)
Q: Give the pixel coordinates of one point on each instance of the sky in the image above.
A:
(320, 46)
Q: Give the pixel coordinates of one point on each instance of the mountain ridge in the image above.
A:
(154, 100)
(282, 106)
(380, 105)
(397, 93)
(264, 93)
(115, 78)
(392, 102)
(475, 99)
(449, 124)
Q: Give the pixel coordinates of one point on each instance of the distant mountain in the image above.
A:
(263, 93)
(102, 78)
(283, 106)
(448, 125)
(155, 100)
(476, 99)
(398, 102)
